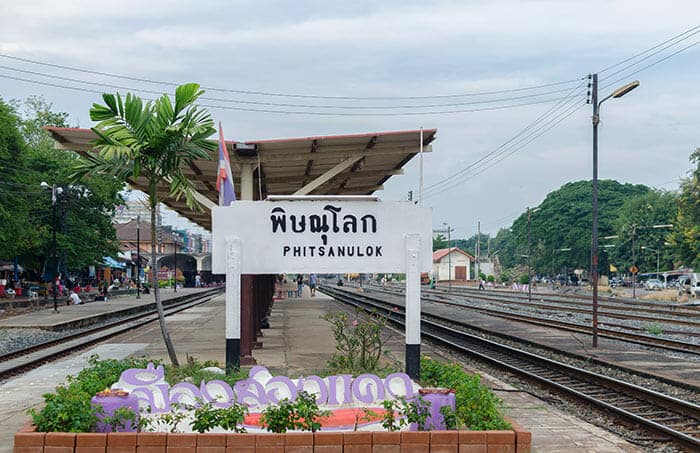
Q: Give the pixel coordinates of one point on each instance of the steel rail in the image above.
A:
(637, 338)
(30, 357)
(633, 403)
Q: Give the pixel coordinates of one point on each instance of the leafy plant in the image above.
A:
(207, 417)
(301, 414)
(477, 406)
(154, 140)
(490, 279)
(449, 415)
(68, 409)
(193, 370)
(401, 412)
(654, 329)
(358, 342)
(119, 419)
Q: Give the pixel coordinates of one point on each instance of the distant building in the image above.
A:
(460, 261)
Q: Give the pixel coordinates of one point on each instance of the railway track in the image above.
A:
(20, 361)
(672, 419)
(633, 337)
(568, 300)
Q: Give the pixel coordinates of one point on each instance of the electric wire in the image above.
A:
(513, 149)
(552, 110)
(692, 29)
(619, 71)
(276, 104)
(644, 68)
(299, 112)
(292, 95)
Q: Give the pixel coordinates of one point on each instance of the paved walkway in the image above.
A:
(71, 316)
(298, 342)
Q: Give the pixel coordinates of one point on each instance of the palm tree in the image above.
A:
(154, 140)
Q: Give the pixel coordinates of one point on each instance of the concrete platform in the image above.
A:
(74, 316)
(298, 342)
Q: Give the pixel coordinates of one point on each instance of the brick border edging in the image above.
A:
(517, 440)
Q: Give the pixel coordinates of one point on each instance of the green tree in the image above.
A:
(636, 215)
(153, 140)
(439, 242)
(564, 220)
(84, 213)
(685, 237)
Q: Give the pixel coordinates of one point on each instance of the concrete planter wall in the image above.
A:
(516, 440)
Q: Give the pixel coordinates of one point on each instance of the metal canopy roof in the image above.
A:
(326, 165)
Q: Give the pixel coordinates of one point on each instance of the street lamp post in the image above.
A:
(657, 258)
(529, 255)
(138, 257)
(594, 236)
(449, 257)
(634, 251)
(175, 277)
(565, 249)
(55, 191)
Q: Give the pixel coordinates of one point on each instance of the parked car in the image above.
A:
(654, 283)
(689, 284)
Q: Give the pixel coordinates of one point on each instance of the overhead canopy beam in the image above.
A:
(327, 176)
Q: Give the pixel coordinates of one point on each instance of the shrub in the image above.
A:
(301, 414)
(524, 279)
(69, 409)
(490, 279)
(207, 417)
(358, 343)
(477, 407)
(505, 278)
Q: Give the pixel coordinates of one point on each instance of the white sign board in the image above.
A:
(322, 236)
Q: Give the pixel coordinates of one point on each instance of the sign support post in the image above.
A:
(233, 304)
(413, 247)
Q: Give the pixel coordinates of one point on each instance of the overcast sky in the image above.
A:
(399, 49)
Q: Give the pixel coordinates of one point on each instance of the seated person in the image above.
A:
(74, 299)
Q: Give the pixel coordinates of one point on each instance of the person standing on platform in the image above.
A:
(300, 284)
(312, 284)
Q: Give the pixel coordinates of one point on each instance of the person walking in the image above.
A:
(300, 284)
(312, 284)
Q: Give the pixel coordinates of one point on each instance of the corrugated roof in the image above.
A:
(441, 253)
(287, 165)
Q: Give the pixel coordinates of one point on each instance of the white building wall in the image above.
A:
(441, 269)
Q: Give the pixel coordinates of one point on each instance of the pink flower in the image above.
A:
(355, 323)
(395, 308)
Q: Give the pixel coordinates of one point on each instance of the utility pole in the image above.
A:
(420, 182)
(449, 259)
(594, 233)
(138, 257)
(478, 250)
(634, 262)
(175, 279)
(529, 259)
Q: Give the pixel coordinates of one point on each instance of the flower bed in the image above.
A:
(346, 412)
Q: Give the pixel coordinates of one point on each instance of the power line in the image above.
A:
(692, 29)
(644, 68)
(532, 124)
(507, 152)
(650, 55)
(298, 112)
(277, 104)
(291, 95)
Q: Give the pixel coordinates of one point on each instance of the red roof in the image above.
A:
(441, 253)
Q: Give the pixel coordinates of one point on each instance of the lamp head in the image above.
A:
(44, 184)
(623, 90)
